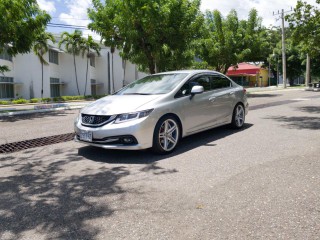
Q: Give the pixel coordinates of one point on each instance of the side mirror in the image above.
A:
(197, 90)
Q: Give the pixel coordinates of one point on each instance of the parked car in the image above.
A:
(158, 110)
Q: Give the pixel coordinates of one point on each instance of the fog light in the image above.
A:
(127, 140)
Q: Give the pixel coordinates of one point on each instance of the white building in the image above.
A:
(104, 75)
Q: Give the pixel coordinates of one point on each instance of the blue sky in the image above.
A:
(74, 12)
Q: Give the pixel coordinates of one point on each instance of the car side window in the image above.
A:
(204, 81)
(199, 81)
(218, 82)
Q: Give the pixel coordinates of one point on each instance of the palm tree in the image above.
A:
(74, 44)
(40, 48)
(90, 44)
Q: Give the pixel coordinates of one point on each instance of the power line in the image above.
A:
(71, 18)
(67, 26)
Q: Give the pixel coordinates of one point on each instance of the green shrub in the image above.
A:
(46, 100)
(99, 96)
(58, 99)
(4, 102)
(35, 100)
(19, 101)
(88, 97)
(72, 98)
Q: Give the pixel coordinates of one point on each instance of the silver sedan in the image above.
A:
(158, 110)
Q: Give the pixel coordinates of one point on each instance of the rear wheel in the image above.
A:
(238, 116)
(166, 135)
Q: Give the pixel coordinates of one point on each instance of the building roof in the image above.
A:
(243, 69)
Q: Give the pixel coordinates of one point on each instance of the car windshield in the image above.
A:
(153, 84)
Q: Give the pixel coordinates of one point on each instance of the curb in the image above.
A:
(273, 90)
(31, 111)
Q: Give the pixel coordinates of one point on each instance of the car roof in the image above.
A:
(188, 72)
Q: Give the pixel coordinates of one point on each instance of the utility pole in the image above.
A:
(308, 70)
(284, 61)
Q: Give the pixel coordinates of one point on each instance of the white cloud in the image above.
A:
(265, 8)
(48, 6)
(77, 15)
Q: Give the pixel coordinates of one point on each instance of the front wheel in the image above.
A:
(166, 135)
(238, 117)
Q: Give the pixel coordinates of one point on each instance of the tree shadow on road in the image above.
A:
(303, 122)
(310, 109)
(262, 95)
(37, 198)
(148, 157)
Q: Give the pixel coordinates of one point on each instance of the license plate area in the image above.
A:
(86, 136)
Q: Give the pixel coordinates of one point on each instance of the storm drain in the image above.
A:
(37, 142)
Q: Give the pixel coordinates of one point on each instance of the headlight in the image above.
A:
(132, 116)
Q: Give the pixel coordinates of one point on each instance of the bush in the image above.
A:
(99, 96)
(35, 100)
(46, 100)
(72, 98)
(4, 102)
(88, 97)
(19, 101)
(58, 99)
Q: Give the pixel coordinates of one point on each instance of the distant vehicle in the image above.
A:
(158, 110)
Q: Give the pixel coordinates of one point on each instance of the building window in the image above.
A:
(6, 87)
(53, 57)
(55, 87)
(5, 55)
(93, 87)
(92, 61)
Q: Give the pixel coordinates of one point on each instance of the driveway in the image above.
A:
(258, 183)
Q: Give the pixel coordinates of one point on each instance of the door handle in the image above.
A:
(212, 99)
(231, 93)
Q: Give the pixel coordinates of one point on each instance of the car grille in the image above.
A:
(116, 140)
(94, 120)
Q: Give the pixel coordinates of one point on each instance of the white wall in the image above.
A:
(26, 69)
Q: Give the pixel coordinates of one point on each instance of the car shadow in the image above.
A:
(206, 138)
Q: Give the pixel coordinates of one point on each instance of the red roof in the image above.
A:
(243, 69)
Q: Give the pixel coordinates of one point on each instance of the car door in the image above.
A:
(223, 98)
(196, 110)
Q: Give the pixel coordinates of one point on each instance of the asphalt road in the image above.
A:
(258, 183)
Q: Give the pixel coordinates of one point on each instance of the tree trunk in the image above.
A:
(151, 64)
(85, 86)
(41, 80)
(291, 81)
(112, 76)
(75, 71)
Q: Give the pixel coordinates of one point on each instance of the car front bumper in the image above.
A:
(110, 136)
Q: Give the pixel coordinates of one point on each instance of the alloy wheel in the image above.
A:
(168, 135)
(239, 116)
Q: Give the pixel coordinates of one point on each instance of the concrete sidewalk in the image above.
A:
(12, 110)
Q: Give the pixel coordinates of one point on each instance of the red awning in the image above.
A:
(244, 69)
(243, 74)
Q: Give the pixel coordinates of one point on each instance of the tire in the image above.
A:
(166, 135)
(238, 117)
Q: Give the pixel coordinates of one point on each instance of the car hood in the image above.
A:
(117, 104)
